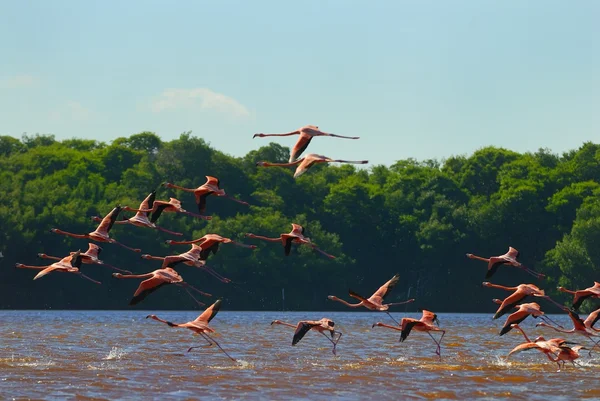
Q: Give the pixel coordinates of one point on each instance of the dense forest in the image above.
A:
(415, 218)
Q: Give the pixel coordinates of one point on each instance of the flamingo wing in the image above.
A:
(158, 211)
(357, 296)
(300, 146)
(428, 317)
(512, 253)
(407, 327)
(301, 329)
(514, 318)
(592, 318)
(171, 261)
(510, 302)
(209, 313)
(108, 220)
(48, 270)
(148, 203)
(201, 200)
(580, 296)
(493, 265)
(287, 243)
(524, 347)
(577, 322)
(146, 288)
(385, 289)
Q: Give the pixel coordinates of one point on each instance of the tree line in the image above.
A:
(415, 218)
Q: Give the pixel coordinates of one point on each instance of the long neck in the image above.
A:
(522, 332)
(265, 238)
(44, 256)
(181, 188)
(283, 323)
(471, 256)
(346, 303)
(150, 257)
(22, 266)
(147, 275)
(556, 328)
(388, 326)
(61, 232)
(163, 321)
(194, 241)
(502, 287)
(243, 245)
(267, 164)
(562, 289)
(285, 134)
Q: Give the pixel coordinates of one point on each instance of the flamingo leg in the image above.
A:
(168, 231)
(402, 303)
(197, 215)
(322, 252)
(547, 319)
(438, 350)
(201, 346)
(332, 341)
(533, 273)
(236, 200)
(88, 278)
(596, 344)
(125, 246)
(193, 297)
(217, 344)
(392, 318)
(215, 274)
(206, 294)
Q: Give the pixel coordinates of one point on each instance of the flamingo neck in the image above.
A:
(283, 323)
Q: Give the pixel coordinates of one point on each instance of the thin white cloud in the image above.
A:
(71, 111)
(18, 81)
(198, 98)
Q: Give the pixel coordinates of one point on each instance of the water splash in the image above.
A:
(115, 353)
(501, 361)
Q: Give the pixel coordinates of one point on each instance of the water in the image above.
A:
(121, 355)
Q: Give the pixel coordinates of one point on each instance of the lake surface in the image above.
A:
(88, 355)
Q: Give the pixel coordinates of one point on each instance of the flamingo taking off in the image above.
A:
(210, 187)
(307, 133)
(523, 311)
(189, 258)
(307, 162)
(156, 279)
(141, 216)
(579, 325)
(68, 264)
(581, 295)
(375, 301)
(426, 324)
(550, 348)
(520, 292)
(101, 232)
(295, 236)
(199, 325)
(322, 326)
(210, 243)
(88, 257)
(509, 258)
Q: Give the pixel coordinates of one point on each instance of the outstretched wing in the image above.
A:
(171, 261)
(146, 288)
(385, 289)
(407, 329)
(288, 245)
(580, 296)
(201, 201)
(301, 330)
(299, 147)
(108, 220)
(523, 347)
(210, 312)
(76, 259)
(158, 212)
(592, 318)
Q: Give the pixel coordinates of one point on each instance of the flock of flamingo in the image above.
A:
(146, 215)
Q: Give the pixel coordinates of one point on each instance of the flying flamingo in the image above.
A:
(210, 187)
(306, 135)
(375, 301)
(141, 217)
(579, 325)
(307, 162)
(509, 258)
(322, 326)
(520, 292)
(426, 324)
(521, 314)
(172, 206)
(68, 264)
(199, 325)
(189, 258)
(88, 257)
(295, 236)
(156, 279)
(101, 232)
(591, 320)
(581, 295)
(550, 347)
(210, 243)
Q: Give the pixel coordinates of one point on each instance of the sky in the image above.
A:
(421, 79)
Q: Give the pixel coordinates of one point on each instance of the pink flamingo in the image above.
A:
(321, 326)
(295, 236)
(210, 243)
(307, 133)
(210, 187)
(307, 162)
(101, 232)
(68, 264)
(172, 206)
(509, 258)
(88, 257)
(581, 295)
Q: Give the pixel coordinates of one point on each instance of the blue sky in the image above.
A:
(422, 79)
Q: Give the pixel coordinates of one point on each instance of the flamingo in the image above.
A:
(189, 258)
(210, 187)
(156, 279)
(88, 257)
(141, 217)
(199, 325)
(172, 206)
(521, 314)
(550, 347)
(101, 232)
(581, 295)
(426, 324)
(509, 258)
(591, 320)
(375, 301)
(295, 236)
(210, 243)
(306, 135)
(520, 292)
(579, 325)
(322, 326)
(307, 162)
(68, 264)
